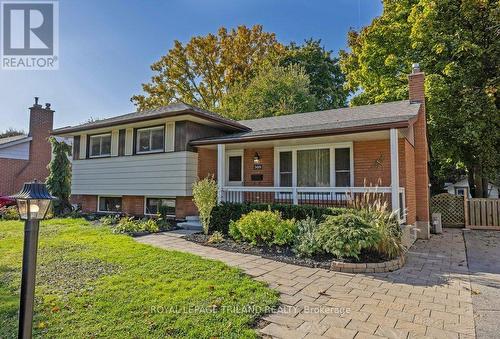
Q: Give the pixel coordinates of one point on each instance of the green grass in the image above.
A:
(91, 283)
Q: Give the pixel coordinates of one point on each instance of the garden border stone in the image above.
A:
(386, 266)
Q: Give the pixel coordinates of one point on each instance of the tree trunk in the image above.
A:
(472, 184)
(485, 187)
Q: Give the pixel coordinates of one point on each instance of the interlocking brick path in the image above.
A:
(430, 297)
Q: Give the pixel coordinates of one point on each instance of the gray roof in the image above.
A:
(17, 139)
(331, 121)
(161, 112)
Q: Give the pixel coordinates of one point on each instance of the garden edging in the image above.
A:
(386, 266)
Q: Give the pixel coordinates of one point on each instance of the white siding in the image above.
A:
(18, 151)
(161, 174)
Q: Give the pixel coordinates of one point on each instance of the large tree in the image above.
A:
(456, 44)
(275, 90)
(201, 71)
(326, 78)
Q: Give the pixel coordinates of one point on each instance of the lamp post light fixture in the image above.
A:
(33, 202)
(256, 159)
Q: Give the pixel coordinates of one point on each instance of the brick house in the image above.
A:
(136, 162)
(25, 157)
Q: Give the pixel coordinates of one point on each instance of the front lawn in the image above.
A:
(92, 283)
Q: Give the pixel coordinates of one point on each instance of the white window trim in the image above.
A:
(100, 145)
(150, 140)
(157, 197)
(234, 153)
(108, 196)
(294, 150)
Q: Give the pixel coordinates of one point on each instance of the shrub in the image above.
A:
(130, 225)
(263, 227)
(9, 213)
(216, 238)
(346, 235)
(110, 220)
(306, 244)
(224, 213)
(205, 199)
(375, 211)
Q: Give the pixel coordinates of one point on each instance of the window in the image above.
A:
(342, 167)
(460, 191)
(110, 204)
(157, 205)
(100, 145)
(235, 168)
(285, 169)
(313, 168)
(150, 140)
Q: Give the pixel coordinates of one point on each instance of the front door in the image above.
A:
(234, 174)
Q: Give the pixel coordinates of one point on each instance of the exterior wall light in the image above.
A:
(256, 158)
(33, 202)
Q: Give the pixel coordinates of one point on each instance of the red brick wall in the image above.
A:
(372, 163)
(185, 206)
(409, 183)
(267, 171)
(9, 168)
(416, 91)
(88, 203)
(133, 204)
(207, 163)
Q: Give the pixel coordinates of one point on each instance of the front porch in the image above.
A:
(327, 171)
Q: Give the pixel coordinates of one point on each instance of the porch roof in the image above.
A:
(397, 114)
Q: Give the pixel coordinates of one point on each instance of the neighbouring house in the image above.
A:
(25, 157)
(462, 188)
(137, 162)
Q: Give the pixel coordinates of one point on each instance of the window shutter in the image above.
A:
(76, 147)
(169, 136)
(121, 142)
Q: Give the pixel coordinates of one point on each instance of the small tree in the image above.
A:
(205, 199)
(59, 180)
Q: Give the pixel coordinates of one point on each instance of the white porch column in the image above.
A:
(394, 170)
(221, 154)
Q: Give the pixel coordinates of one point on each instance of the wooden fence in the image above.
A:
(482, 213)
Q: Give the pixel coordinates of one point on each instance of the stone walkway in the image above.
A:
(483, 257)
(428, 298)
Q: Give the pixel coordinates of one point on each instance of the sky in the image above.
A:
(106, 47)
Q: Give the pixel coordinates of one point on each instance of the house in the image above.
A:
(461, 187)
(136, 162)
(25, 157)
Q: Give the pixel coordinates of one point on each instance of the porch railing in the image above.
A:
(317, 196)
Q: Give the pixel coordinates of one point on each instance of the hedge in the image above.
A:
(225, 212)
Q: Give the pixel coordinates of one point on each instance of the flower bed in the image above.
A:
(367, 262)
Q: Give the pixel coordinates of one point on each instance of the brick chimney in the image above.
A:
(41, 125)
(417, 94)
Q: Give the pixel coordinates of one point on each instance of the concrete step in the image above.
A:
(190, 225)
(192, 218)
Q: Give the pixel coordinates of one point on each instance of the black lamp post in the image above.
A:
(33, 202)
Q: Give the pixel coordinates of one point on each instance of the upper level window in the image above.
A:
(100, 145)
(150, 140)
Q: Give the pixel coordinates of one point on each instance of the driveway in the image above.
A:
(430, 297)
(483, 256)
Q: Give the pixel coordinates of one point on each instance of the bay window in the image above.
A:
(149, 140)
(100, 145)
(313, 168)
(309, 166)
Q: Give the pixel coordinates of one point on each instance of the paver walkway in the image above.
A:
(429, 297)
(483, 256)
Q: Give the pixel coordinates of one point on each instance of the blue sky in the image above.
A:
(106, 47)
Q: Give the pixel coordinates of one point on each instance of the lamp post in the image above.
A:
(33, 202)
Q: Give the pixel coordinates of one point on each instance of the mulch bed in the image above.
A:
(278, 253)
